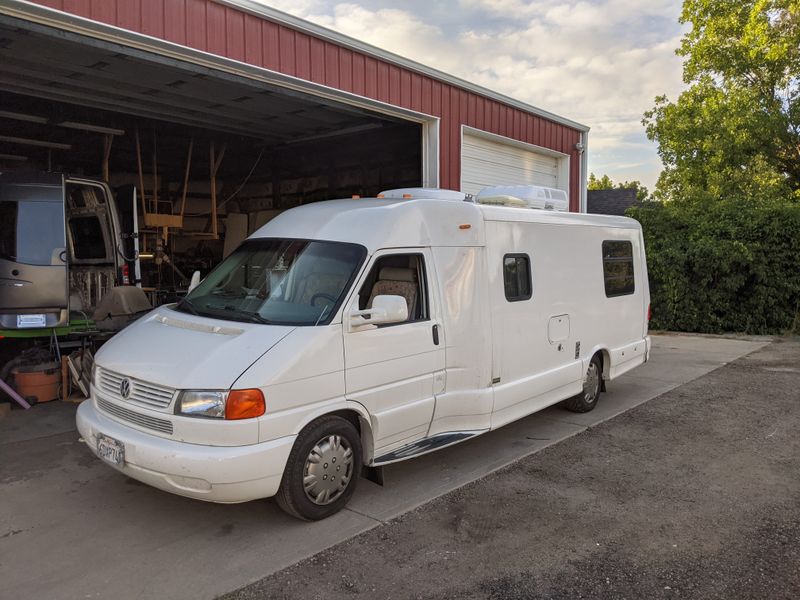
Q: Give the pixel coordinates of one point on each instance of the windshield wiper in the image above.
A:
(250, 316)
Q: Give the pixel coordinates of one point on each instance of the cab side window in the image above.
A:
(398, 275)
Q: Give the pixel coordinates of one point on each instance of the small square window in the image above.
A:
(517, 277)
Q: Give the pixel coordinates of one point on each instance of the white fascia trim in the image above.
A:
(507, 141)
(583, 176)
(277, 16)
(41, 15)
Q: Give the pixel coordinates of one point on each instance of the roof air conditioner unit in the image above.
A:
(524, 196)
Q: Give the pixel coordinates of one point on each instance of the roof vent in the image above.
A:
(426, 193)
(524, 196)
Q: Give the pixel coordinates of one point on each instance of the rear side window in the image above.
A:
(618, 268)
(517, 277)
(31, 225)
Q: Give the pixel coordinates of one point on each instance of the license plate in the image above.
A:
(110, 450)
(24, 321)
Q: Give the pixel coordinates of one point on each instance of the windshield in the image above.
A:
(278, 281)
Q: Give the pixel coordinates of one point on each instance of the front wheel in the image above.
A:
(587, 399)
(322, 469)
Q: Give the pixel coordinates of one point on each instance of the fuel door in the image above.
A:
(558, 330)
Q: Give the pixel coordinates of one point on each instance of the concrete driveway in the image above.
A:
(73, 528)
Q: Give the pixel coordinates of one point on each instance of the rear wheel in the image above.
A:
(592, 383)
(322, 470)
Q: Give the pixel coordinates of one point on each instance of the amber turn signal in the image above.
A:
(244, 404)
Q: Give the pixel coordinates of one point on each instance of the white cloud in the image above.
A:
(600, 62)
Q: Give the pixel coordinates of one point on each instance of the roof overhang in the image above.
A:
(275, 15)
(69, 22)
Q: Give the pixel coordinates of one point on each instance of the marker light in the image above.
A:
(355, 196)
(406, 196)
(464, 226)
(245, 404)
(381, 196)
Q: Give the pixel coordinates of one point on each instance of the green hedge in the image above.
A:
(723, 266)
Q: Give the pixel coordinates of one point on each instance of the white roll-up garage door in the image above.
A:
(489, 161)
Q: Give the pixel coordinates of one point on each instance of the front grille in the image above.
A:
(142, 393)
(136, 418)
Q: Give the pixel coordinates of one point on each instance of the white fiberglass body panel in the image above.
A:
(386, 223)
(466, 403)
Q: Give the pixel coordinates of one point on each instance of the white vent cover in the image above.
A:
(427, 193)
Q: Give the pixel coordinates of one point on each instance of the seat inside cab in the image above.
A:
(398, 275)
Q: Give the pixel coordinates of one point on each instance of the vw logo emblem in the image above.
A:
(125, 388)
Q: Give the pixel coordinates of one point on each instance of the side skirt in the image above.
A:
(424, 446)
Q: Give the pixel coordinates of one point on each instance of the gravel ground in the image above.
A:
(695, 494)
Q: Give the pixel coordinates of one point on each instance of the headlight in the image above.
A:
(219, 404)
(202, 403)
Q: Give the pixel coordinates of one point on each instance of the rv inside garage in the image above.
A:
(213, 155)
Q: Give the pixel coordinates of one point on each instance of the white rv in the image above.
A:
(350, 334)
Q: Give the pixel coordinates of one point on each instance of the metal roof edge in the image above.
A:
(278, 16)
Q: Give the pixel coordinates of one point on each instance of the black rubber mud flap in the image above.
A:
(373, 474)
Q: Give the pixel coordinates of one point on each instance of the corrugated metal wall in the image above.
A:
(225, 31)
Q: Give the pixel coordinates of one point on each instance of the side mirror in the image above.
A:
(385, 310)
(194, 282)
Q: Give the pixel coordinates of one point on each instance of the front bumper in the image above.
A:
(224, 474)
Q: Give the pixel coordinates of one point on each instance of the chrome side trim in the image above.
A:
(425, 446)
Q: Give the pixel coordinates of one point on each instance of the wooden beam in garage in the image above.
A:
(215, 162)
(107, 141)
(186, 176)
(39, 143)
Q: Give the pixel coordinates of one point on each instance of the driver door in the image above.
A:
(390, 369)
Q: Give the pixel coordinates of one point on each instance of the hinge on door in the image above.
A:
(495, 381)
(577, 350)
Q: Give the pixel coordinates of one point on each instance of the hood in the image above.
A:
(184, 351)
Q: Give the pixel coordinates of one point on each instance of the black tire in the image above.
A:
(318, 436)
(587, 399)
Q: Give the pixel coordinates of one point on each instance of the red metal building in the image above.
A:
(470, 136)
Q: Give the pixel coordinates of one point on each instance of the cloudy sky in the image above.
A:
(599, 62)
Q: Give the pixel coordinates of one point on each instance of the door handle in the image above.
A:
(435, 331)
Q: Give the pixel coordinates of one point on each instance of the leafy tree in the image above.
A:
(736, 130)
(605, 183)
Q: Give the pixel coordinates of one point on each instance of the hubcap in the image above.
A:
(591, 387)
(328, 469)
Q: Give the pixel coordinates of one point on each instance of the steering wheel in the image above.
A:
(327, 297)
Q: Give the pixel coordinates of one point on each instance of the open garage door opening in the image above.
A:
(212, 155)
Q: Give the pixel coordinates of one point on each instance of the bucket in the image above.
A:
(39, 382)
